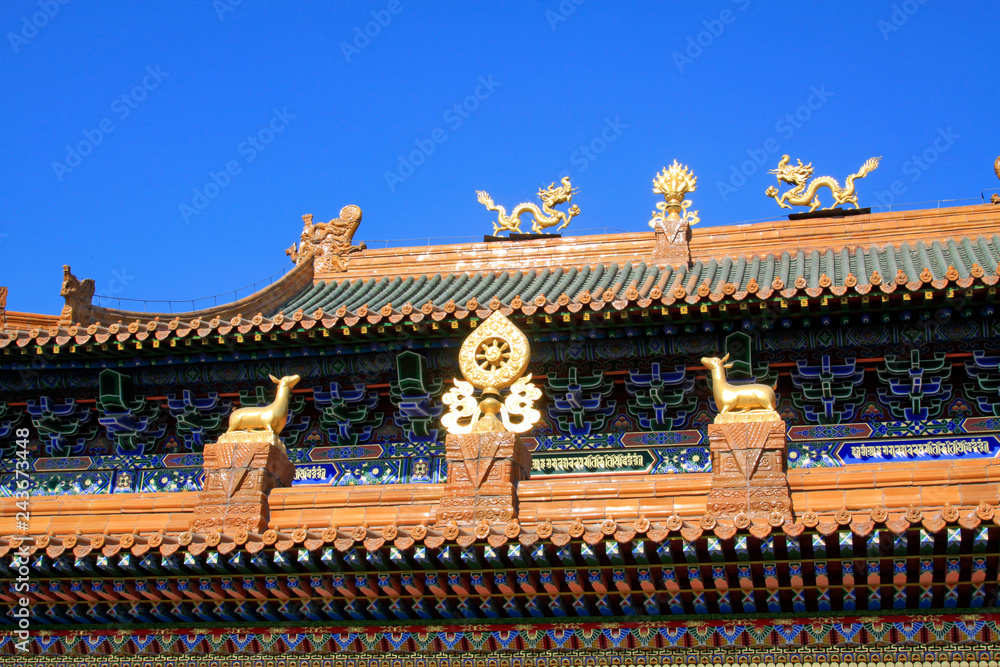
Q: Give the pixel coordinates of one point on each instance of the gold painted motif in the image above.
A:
(544, 217)
(805, 195)
(492, 358)
(462, 407)
(672, 217)
(328, 242)
(520, 403)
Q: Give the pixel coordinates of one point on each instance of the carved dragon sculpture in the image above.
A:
(329, 242)
(79, 295)
(544, 217)
(801, 195)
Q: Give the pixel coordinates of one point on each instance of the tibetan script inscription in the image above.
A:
(983, 446)
(602, 463)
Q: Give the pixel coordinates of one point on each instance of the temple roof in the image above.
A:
(955, 261)
(811, 259)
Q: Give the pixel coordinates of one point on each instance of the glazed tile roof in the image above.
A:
(808, 260)
(955, 262)
(959, 263)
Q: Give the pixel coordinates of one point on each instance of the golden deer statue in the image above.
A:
(270, 418)
(738, 398)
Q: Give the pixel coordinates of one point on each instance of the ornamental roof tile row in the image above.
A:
(559, 533)
(957, 262)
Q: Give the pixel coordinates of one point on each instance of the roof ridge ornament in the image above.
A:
(995, 199)
(672, 221)
(493, 357)
(329, 243)
(79, 296)
(544, 217)
(804, 192)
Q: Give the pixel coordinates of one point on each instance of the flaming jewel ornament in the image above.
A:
(803, 195)
(672, 217)
(492, 358)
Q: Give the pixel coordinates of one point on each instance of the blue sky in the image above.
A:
(169, 150)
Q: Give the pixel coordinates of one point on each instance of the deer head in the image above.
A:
(715, 363)
(287, 381)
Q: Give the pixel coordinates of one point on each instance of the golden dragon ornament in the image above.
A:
(804, 192)
(544, 217)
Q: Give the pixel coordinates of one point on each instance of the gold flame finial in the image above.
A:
(492, 358)
(674, 183)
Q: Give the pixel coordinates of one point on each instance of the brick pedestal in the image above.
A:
(240, 471)
(748, 466)
(671, 244)
(483, 472)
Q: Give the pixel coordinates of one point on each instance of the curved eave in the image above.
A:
(675, 302)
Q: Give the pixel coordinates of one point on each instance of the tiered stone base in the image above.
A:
(748, 466)
(240, 471)
(673, 252)
(483, 472)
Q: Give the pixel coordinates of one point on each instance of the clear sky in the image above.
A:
(169, 149)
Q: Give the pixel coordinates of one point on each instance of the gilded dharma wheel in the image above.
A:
(495, 355)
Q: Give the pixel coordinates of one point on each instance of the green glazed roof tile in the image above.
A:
(551, 283)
